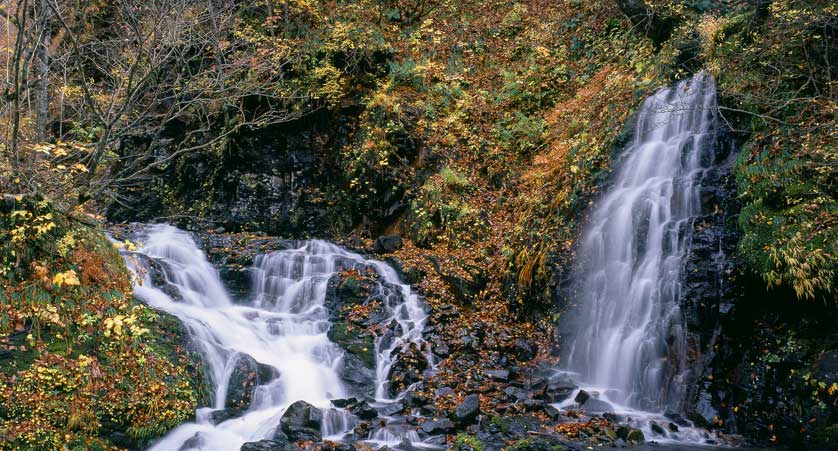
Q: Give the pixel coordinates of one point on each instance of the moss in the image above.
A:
(469, 442)
(349, 338)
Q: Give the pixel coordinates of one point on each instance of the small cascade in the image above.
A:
(628, 348)
(280, 332)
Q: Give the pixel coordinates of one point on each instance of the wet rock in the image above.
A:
(392, 409)
(596, 405)
(413, 399)
(359, 344)
(302, 422)
(582, 397)
(636, 435)
(343, 403)
(656, 428)
(196, 442)
(438, 426)
(407, 369)
(612, 417)
(673, 427)
(357, 376)
(405, 445)
(268, 445)
(558, 391)
(220, 416)
(386, 244)
(466, 411)
(247, 374)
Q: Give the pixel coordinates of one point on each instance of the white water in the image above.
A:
(629, 345)
(284, 325)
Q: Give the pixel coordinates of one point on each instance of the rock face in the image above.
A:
(301, 422)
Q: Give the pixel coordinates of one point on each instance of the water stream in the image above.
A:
(283, 326)
(629, 342)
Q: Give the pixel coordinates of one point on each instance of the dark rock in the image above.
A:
(364, 411)
(413, 399)
(443, 391)
(582, 397)
(246, 375)
(466, 411)
(523, 350)
(196, 442)
(386, 244)
(517, 394)
(438, 426)
(558, 391)
(302, 422)
(343, 403)
(498, 375)
(405, 445)
(392, 409)
(673, 427)
(552, 412)
(596, 405)
(220, 416)
(656, 428)
(407, 369)
(268, 445)
(357, 376)
(613, 417)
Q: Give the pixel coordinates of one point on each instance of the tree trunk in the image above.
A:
(42, 85)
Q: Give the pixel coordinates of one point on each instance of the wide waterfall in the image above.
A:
(629, 344)
(283, 326)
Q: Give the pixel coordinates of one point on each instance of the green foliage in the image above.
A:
(80, 356)
(471, 442)
(442, 212)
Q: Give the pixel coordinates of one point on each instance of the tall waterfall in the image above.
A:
(283, 326)
(630, 339)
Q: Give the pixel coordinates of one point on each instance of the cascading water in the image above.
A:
(629, 344)
(283, 326)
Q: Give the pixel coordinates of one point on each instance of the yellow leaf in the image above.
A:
(80, 167)
(66, 278)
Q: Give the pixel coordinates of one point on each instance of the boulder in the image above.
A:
(524, 350)
(582, 397)
(392, 409)
(302, 422)
(247, 374)
(516, 394)
(357, 376)
(558, 391)
(386, 244)
(656, 428)
(466, 411)
(437, 426)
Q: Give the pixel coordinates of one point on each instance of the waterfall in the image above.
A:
(629, 339)
(283, 326)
